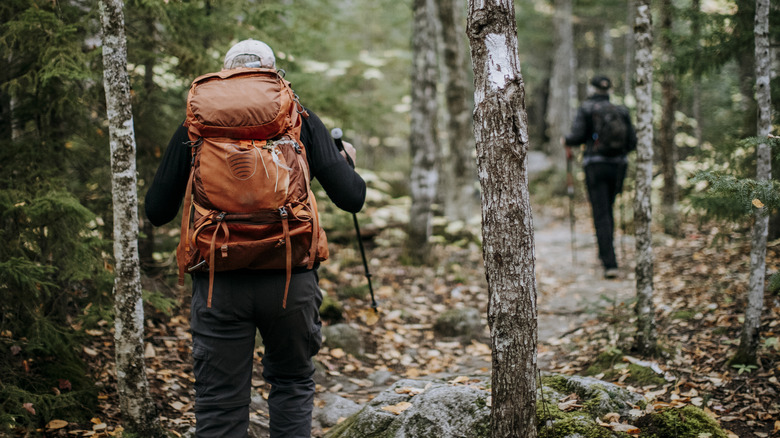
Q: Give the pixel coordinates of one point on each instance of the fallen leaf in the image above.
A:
(409, 390)
(149, 352)
(29, 408)
(337, 353)
(56, 424)
(371, 316)
(459, 379)
(569, 405)
(177, 405)
(100, 426)
(757, 203)
(90, 352)
(610, 417)
(397, 409)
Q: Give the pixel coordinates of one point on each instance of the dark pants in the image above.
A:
(605, 182)
(223, 340)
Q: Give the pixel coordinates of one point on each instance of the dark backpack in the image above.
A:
(610, 130)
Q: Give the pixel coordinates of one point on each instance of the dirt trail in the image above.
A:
(570, 289)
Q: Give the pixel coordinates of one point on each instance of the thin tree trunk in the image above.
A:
(461, 199)
(423, 138)
(667, 131)
(501, 131)
(138, 410)
(645, 340)
(748, 345)
(628, 85)
(696, 34)
(563, 90)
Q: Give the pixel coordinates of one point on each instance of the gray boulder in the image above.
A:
(422, 408)
(335, 408)
(344, 336)
(465, 323)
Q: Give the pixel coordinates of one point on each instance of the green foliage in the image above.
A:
(774, 282)
(727, 193)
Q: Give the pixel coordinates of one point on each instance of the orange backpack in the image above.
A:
(248, 203)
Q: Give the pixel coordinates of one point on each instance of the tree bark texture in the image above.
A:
(423, 141)
(645, 340)
(501, 132)
(748, 345)
(628, 84)
(696, 34)
(138, 410)
(563, 90)
(669, 97)
(461, 198)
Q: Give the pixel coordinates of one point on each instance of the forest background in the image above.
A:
(349, 61)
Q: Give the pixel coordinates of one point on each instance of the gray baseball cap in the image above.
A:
(251, 47)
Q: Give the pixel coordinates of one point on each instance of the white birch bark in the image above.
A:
(645, 340)
(628, 84)
(423, 139)
(136, 405)
(751, 329)
(501, 132)
(563, 89)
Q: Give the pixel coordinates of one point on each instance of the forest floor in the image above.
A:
(700, 286)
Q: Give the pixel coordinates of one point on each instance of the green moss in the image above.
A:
(605, 362)
(688, 422)
(551, 422)
(683, 314)
(331, 309)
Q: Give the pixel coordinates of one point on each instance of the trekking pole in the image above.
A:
(570, 192)
(336, 134)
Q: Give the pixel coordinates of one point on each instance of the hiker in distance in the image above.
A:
(608, 135)
(251, 240)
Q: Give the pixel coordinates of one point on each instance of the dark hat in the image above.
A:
(601, 82)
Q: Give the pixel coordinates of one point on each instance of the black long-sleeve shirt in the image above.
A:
(341, 183)
(582, 131)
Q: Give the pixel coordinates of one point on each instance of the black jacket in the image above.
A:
(341, 183)
(582, 130)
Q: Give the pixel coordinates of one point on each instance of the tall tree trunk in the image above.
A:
(667, 131)
(748, 344)
(743, 26)
(501, 131)
(645, 340)
(696, 34)
(461, 198)
(563, 90)
(423, 139)
(138, 410)
(628, 85)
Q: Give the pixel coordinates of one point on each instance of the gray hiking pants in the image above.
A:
(223, 340)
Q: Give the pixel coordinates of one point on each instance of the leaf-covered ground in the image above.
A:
(700, 282)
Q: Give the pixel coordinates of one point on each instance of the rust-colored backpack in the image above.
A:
(248, 203)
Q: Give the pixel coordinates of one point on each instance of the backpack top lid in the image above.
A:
(248, 103)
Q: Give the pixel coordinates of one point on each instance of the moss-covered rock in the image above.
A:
(610, 363)
(687, 422)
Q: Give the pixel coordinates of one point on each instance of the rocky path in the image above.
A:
(571, 288)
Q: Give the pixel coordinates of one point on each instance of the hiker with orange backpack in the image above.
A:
(242, 163)
(608, 135)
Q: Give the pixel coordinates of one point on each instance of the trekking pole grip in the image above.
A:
(336, 133)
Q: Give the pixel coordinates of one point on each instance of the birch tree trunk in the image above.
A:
(667, 131)
(461, 198)
(645, 340)
(501, 131)
(138, 410)
(423, 138)
(748, 344)
(563, 90)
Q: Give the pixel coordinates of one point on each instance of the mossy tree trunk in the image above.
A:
(501, 132)
(138, 410)
(423, 138)
(645, 339)
(748, 345)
